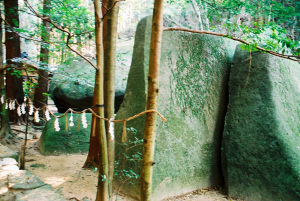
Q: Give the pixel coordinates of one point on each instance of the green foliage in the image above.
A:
(131, 158)
(273, 25)
(28, 88)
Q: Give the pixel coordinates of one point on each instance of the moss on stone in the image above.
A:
(192, 96)
(65, 141)
(261, 158)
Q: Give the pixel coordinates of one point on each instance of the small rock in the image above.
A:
(10, 168)
(86, 199)
(8, 161)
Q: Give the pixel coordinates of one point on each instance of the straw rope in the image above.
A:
(45, 107)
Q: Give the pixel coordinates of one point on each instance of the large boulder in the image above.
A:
(192, 97)
(68, 139)
(72, 85)
(261, 152)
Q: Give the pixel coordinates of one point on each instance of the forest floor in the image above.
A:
(65, 175)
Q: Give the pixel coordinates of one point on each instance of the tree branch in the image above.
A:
(25, 37)
(291, 57)
(174, 22)
(107, 9)
(33, 39)
(48, 19)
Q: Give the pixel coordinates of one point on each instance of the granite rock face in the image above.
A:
(192, 97)
(261, 150)
(70, 140)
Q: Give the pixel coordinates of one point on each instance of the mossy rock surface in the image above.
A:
(72, 85)
(65, 141)
(261, 152)
(192, 97)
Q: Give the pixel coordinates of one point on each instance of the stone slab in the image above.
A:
(261, 149)
(44, 193)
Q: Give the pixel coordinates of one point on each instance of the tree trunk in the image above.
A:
(93, 159)
(102, 193)
(14, 88)
(110, 55)
(5, 128)
(43, 81)
(197, 9)
(153, 88)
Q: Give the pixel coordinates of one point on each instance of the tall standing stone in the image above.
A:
(192, 97)
(261, 149)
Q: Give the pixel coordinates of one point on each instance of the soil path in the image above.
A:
(65, 175)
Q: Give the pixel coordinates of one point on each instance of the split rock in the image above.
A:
(192, 97)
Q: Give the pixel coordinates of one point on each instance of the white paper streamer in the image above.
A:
(30, 109)
(36, 116)
(47, 115)
(19, 111)
(56, 125)
(83, 120)
(71, 120)
(111, 129)
(23, 108)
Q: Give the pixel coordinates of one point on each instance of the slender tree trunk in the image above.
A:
(110, 55)
(197, 9)
(207, 25)
(43, 81)
(104, 11)
(102, 193)
(14, 88)
(153, 88)
(93, 159)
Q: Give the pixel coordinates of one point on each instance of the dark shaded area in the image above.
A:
(64, 103)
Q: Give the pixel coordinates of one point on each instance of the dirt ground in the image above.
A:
(65, 174)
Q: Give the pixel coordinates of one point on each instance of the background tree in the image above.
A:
(274, 25)
(40, 97)
(5, 128)
(93, 159)
(14, 85)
